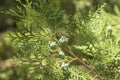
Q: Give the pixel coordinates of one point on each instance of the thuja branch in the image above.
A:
(82, 62)
(71, 53)
(53, 36)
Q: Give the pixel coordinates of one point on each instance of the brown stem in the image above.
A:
(81, 62)
(72, 54)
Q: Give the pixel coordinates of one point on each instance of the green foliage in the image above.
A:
(51, 45)
(79, 73)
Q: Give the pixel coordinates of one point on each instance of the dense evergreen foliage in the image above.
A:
(51, 45)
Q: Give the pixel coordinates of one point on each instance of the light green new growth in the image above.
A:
(51, 45)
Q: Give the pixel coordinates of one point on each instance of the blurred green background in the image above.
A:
(8, 22)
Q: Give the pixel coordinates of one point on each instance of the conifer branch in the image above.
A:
(82, 62)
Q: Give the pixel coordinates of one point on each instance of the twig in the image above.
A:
(83, 63)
